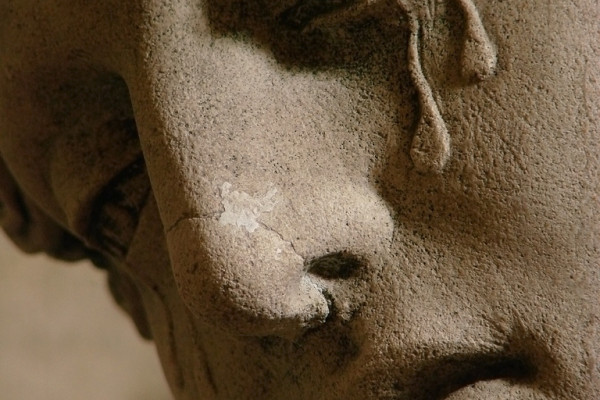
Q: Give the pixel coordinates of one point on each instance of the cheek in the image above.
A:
(251, 285)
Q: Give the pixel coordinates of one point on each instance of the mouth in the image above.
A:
(462, 377)
(457, 376)
(498, 389)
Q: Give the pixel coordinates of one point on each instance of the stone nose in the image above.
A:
(227, 276)
(230, 271)
(197, 113)
(249, 284)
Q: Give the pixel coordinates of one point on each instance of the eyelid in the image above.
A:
(305, 12)
(355, 10)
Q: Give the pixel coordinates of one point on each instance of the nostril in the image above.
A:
(340, 265)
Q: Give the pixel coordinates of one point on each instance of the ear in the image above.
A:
(29, 227)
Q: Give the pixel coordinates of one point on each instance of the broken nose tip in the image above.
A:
(246, 287)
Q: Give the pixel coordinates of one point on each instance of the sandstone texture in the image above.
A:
(336, 199)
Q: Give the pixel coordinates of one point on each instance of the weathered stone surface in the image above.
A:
(321, 199)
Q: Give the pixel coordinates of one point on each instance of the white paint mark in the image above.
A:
(243, 210)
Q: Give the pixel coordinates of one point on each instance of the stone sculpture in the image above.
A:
(336, 199)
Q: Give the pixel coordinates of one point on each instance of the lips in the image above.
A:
(478, 377)
(459, 376)
(497, 389)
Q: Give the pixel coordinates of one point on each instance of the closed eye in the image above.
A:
(304, 11)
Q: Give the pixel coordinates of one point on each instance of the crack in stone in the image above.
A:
(283, 239)
(185, 218)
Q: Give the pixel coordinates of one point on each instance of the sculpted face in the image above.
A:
(321, 200)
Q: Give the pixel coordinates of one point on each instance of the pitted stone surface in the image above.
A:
(386, 199)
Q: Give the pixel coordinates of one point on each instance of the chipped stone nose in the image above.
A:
(231, 271)
(246, 278)
(243, 210)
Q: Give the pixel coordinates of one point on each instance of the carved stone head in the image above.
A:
(335, 199)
